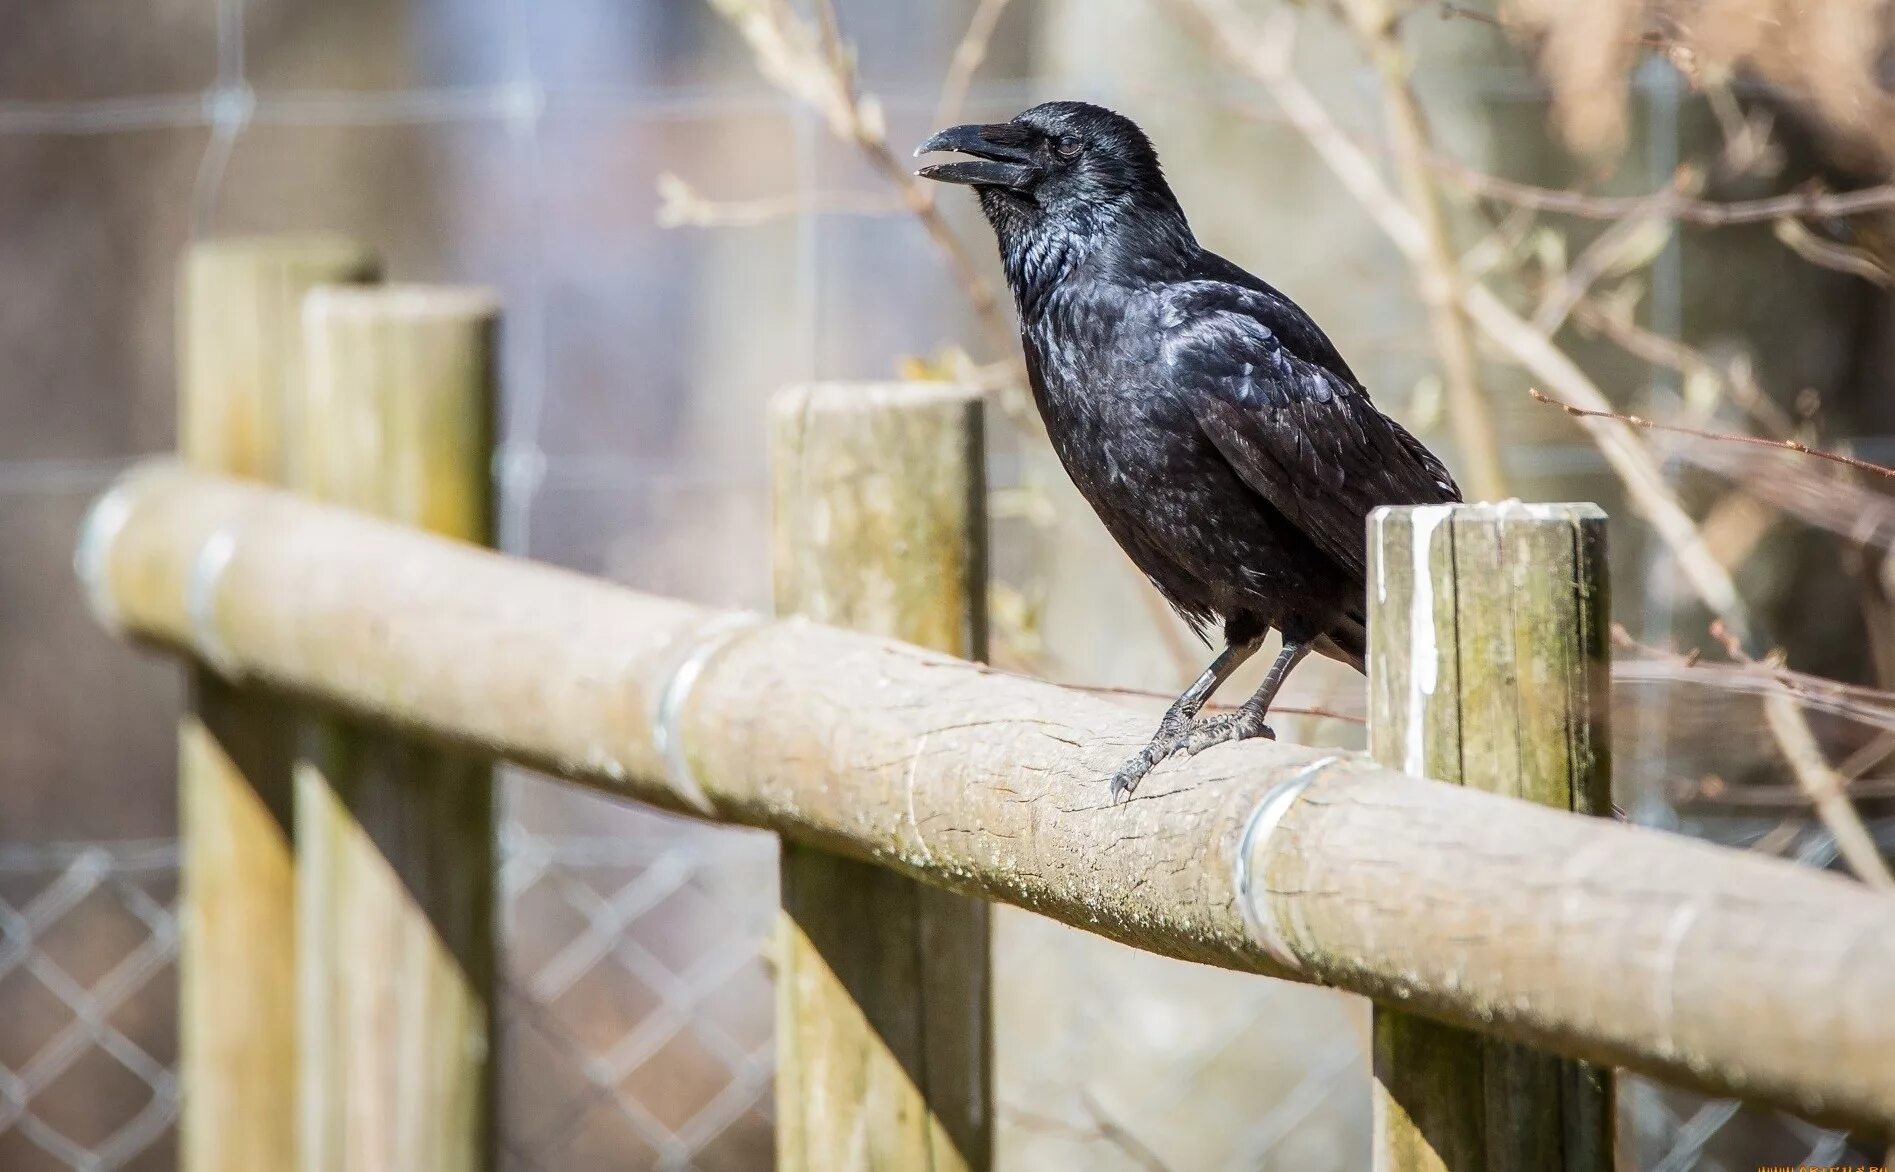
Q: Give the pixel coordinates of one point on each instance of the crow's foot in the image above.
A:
(1244, 724)
(1169, 739)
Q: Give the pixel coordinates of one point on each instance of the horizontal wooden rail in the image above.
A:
(1706, 966)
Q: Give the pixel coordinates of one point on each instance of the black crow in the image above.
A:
(1228, 448)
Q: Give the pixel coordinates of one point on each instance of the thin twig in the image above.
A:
(1687, 360)
(1804, 490)
(1867, 706)
(1723, 437)
(817, 68)
(1096, 1132)
(966, 60)
(1826, 788)
(1781, 795)
(1836, 700)
(1600, 257)
(1151, 694)
(1867, 757)
(682, 206)
(1670, 203)
(1827, 791)
(1796, 236)
(1116, 1134)
(1453, 11)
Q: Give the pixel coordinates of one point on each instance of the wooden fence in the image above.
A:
(354, 672)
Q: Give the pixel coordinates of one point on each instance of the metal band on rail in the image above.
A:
(104, 521)
(668, 713)
(200, 600)
(1262, 823)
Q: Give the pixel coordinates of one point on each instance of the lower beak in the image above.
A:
(1001, 156)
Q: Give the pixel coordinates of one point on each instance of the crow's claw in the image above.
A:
(1241, 725)
(1169, 739)
(1129, 775)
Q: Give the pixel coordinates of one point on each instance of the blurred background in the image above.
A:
(686, 205)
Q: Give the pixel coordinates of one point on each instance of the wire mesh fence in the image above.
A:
(636, 1013)
(635, 1007)
(88, 948)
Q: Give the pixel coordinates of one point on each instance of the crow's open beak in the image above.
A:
(1003, 156)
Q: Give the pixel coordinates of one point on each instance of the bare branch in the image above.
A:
(1733, 380)
(1710, 790)
(1452, 11)
(817, 67)
(1603, 255)
(682, 206)
(1826, 788)
(1827, 792)
(1850, 510)
(966, 61)
(1120, 1138)
(1102, 1129)
(1809, 202)
(1870, 707)
(1723, 437)
(1437, 270)
(1830, 254)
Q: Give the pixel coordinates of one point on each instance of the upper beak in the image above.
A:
(1003, 156)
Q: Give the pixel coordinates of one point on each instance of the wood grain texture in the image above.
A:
(240, 358)
(884, 1046)
(1488, 667)
(396, 838)
(1709, 967)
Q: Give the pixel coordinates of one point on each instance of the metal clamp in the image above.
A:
(667, 715)
(92, 556)
(1262, 823)
(200, 597)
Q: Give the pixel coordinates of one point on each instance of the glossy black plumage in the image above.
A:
(1221, 438)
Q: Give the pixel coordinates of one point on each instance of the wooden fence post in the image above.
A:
(1488, 666)
(884, 1029)
(240, 359)
(396, 838)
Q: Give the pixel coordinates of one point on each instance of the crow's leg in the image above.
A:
(1176, 724)
(1248, 720)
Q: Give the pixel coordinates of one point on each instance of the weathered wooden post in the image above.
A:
(1488, 666)
(883, 1026)
(240, 365)
(396, 838)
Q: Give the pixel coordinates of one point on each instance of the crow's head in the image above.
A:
(1066, 164)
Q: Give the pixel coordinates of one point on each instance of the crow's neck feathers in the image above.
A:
(1134, 231)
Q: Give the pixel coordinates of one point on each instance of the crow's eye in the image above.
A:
(1068, 147)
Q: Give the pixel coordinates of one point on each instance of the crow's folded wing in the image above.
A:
(1303, 437)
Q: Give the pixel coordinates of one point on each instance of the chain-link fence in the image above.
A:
(636, 1013)
(635, 1009)
(88, 955)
